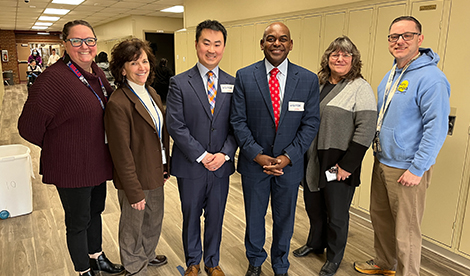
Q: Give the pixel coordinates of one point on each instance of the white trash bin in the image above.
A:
(16, 197)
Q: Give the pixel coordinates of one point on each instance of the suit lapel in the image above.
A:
(196, 83)
(220, 98)
(262, 82)
(292, 79)
(139, 107)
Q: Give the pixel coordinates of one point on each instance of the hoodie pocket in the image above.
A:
(391, 145)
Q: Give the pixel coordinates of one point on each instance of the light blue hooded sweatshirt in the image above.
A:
(416, 122)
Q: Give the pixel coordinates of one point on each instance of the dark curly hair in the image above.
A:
(129, 50)
(345, 45)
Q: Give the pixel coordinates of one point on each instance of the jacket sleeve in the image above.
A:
(117, 124)
(238, 120)
(365, 120)
(435, 108)
(176, 124)
(309, 124)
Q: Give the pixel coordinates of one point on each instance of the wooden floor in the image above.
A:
(34, 244)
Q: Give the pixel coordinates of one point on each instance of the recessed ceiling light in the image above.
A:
(174, 9)
(67, 2)
(48, 18)
(56, 11)
(43, 24)
(39, 28)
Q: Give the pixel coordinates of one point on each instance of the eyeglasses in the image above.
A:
(406, 36)
(336, 56)
(77, 42)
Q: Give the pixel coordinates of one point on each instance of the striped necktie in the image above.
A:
(211, 91)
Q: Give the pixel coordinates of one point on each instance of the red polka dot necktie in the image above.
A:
(211, 91)
(275, 95)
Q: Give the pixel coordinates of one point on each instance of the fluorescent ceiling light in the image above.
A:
(56, 11)
(174, 9)
(67, 2)
(48, 18)
(39, 28)
(43, 24)
(39, 33)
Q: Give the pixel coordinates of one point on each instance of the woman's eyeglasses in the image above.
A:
(336, 56)
(77, 42)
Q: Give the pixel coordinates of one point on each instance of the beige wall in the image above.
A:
(313, 26)
(453, 165)
(196, 10)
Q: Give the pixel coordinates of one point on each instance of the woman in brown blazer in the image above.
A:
(138, 141)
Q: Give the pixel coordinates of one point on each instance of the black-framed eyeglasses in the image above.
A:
(77, 42)
(406, 36)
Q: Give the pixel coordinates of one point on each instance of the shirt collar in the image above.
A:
(282, 67)
(203, 70)
(139, 89)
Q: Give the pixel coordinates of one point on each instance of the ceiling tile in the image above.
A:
(17, 15)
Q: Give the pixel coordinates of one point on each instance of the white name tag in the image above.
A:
(296, 106)
(227, 88)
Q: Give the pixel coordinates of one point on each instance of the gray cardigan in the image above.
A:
(348, 117)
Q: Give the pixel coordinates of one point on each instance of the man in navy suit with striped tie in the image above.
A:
(198, 108)
(275, 117)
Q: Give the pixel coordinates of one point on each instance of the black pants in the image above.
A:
(83, 208)
(328, 211)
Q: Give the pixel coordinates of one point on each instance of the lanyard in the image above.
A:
(390, 91)
(85, 82)
(158, 124)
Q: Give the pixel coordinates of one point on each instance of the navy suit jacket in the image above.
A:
(194, 129)
(252, 119)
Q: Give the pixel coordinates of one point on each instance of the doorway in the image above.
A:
(25, 49)
(163, 46)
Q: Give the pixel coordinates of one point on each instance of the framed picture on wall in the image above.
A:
(5, 55)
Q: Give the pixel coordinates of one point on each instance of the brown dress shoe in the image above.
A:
(192, 270)
(214, 271)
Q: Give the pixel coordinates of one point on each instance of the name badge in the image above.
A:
(296, 106)
(227, 88)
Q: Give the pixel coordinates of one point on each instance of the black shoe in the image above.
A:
(329, 269)
(103, 264)
(283, 274)
(253, 271)
(158, 261)
(305, 250)
(88, 273)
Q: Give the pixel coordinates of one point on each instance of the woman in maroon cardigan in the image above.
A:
(64, 116)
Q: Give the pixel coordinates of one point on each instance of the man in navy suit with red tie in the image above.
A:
(198, 108)
(275, 117)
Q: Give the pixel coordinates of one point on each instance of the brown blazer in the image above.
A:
(134, 144)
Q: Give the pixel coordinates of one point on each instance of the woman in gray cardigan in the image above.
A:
(348, 117)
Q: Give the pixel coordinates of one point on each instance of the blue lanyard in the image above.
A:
(84, 81)
(157, 123)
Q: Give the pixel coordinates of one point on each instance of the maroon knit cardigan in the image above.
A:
(65, 119)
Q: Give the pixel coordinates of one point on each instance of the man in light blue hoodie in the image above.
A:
(413, 100)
